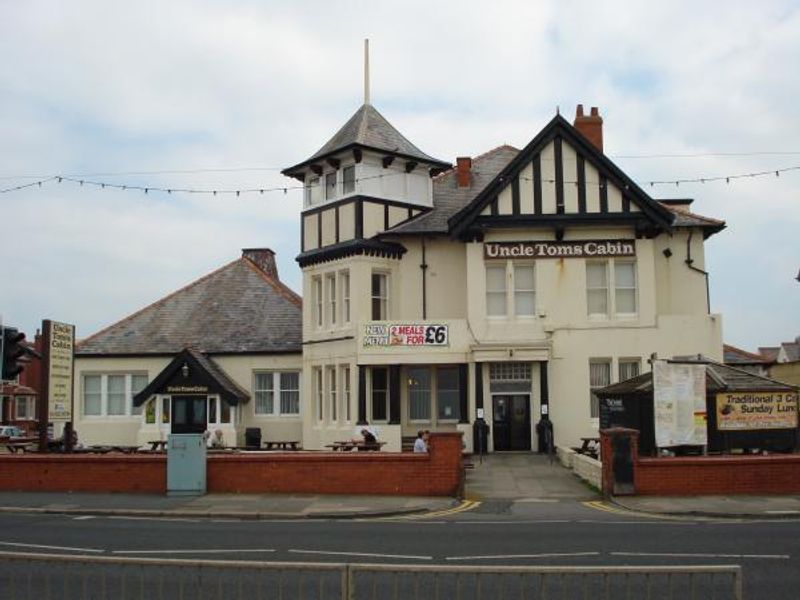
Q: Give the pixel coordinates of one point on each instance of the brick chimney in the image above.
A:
(463, 171)
(591, 126)
(263, 258)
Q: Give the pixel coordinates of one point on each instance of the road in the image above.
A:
(547, 533)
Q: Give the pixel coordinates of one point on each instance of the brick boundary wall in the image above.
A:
(718, 475)
(438, 473)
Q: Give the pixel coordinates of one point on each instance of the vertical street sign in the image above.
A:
(55, 398)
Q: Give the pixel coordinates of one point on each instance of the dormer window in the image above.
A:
(348, 180)
(330, 186)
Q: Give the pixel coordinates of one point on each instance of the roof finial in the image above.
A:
(366, 71)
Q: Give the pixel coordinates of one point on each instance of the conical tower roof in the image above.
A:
(369, 129)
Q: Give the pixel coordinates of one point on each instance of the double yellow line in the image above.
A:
(464, 506)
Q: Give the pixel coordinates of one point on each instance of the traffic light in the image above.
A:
(13, 349)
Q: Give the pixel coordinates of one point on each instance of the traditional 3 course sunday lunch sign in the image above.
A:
(756, 410)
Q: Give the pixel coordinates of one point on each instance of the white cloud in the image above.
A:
(91, 86)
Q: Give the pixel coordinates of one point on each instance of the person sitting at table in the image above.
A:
(217, 441)
(369, 441)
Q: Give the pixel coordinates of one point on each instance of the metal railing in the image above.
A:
(28, 576)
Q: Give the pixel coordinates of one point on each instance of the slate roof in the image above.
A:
(685, 218)
(369, 129)
(770, 353)
(731, 355)
(719, 378)
(792, 350)
(448, 198)
(236, 309)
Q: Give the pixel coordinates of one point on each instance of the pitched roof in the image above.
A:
(792, 350)
(685, 218)
(719, 378)
(770, 353)
(369, 129)
(210, 374)
(558, 127)
(238, 308)
(448, 198)
(733, 355)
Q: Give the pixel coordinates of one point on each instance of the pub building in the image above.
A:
(505, 288)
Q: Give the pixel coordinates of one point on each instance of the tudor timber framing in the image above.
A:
(463, 224)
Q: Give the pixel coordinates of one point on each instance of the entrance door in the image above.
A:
(512, 422)
(189, 414)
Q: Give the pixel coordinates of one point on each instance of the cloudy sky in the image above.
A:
(222, 95)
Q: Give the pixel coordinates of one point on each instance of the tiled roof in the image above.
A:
(770, 353)
(369, 128)
(236, 309)
(448, 198)
(685, 218)
(792, 350)
(719, 377)
(733, 355)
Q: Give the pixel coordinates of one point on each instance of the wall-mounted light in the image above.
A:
(185, 370)
(667, 252)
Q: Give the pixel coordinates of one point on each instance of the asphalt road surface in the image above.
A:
(554, 533)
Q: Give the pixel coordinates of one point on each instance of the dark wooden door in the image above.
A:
(189, 414)
(511, 422)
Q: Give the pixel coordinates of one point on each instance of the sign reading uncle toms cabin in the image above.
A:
(576, 249)
(411, 334)
(756, 410)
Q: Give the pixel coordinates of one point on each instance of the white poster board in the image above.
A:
(679, 404)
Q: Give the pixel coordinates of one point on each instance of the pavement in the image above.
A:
(740, 506)
(233, 506)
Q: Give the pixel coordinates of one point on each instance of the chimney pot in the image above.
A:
(264, 259)
(463, 171)
(590, 126)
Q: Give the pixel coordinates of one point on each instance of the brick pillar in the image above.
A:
(613, 467)
(445, 449)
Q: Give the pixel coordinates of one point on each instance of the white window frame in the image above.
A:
(503, 268)
(274, 376)
(611, 289)
(130, 410)
(383, 300)
(332, 394)
(344, 290)
(330, 293)
(431, 390)
(514, 265)
(330, 190)
(344, 378)
(510, 290)
(30, 408)
(319, 393)
(312, 191)
(598, 361)
(317, 306)
(629, 361)
(344, 180)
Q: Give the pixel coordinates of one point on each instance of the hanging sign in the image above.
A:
(756, 410)
(59, 342)
(679, 403)
(407, 334)
(576, 249)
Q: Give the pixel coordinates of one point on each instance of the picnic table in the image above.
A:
(589, 445)
(18, 446)
(282, 445)
(349, 445)
(157, 445)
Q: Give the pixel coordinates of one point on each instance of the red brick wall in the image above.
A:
(83, 473)
(773, 474)
(438, 473)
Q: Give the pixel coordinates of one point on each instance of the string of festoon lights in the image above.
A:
(87, 183)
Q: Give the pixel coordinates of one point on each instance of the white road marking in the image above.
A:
(701, 555)
(536, 500)
(44, 547)
(198, 551)
(783, 512)
(83, 518)
(367, 554)
(605, 522)
(132, 518)
(510, 556)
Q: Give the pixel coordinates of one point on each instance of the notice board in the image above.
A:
(679, 403)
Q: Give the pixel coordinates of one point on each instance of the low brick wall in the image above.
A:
(83, 473)
(438, 473)
(713, 475)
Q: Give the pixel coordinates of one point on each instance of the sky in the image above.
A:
(212, 95)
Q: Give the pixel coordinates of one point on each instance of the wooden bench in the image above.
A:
(589, 445)
(15, 447)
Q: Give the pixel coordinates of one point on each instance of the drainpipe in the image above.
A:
(689, 260)
(424, 267)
